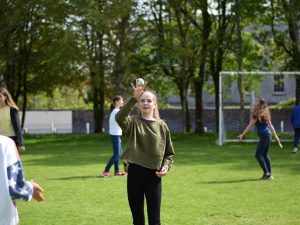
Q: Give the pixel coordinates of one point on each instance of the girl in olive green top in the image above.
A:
(149, 153)
(9, 119)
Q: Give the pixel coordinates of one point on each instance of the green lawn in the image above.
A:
(207, 185)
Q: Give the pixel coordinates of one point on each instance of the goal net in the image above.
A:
(239, 90)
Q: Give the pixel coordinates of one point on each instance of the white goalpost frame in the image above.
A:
(221, 138)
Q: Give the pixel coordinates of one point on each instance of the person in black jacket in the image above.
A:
(9, 119)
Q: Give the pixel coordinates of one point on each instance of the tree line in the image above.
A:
(100, 46)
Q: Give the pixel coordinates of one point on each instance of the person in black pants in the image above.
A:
(143, 182)
(149, 152)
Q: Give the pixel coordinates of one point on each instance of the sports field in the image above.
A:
(207, 185)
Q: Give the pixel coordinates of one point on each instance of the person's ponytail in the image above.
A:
(113, 104)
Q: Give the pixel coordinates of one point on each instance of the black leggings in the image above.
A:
(142, 182)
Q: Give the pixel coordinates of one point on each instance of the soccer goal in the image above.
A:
(235, 112)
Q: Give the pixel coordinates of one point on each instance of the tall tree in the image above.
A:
(103, 40)
(27, 29)
(221, 23)
(287, 12)
(175, 48)
(120, 42)
(203, 27)
(199, 81)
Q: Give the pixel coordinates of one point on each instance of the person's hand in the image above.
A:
(162, 172)
(240, 137)
(126, 167)
(37, 192)
(138, 90)
(21, 148)
(279, 143)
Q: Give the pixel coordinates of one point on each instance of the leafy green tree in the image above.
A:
(286, 12)
(174, 47)
(205, 31)
(32, 34)
(102, 31)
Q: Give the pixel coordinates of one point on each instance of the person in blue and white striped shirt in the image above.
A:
(13, 185)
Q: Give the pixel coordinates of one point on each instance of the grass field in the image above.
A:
(207, 185)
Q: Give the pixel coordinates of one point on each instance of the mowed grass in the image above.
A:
(207, 185)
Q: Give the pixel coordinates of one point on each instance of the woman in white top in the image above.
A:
(115, 133)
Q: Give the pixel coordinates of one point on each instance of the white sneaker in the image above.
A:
(295, 150)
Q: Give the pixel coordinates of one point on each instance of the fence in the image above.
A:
(82, 121)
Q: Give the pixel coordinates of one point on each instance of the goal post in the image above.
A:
(275, 87)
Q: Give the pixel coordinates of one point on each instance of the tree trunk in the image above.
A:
(199, 126)
(121, 55)
(240, 63)
(219, 49)
(199, 107)
(96, 102)
(101, 93)
(184, 106)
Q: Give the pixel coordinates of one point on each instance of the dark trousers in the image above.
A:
(262, 152)
(296, 137)
(143, 182)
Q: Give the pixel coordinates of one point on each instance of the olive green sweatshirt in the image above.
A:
(149, 142)
(6, 126)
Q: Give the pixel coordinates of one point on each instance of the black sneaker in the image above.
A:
(267, 177)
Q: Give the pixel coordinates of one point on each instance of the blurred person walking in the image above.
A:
(9, 119)
(295, 121)
(13, 185)
(115, 133)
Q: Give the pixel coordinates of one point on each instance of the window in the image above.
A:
(278, 83)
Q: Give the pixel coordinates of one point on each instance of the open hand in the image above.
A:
(37, 192)
(138, 90)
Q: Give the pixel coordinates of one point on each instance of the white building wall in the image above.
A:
(43, 122)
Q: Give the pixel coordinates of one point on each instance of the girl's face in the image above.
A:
(119, 103)
(147, 103)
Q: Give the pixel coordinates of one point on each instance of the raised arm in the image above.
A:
(122, 117)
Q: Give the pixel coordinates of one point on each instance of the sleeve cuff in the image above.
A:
(30, 186)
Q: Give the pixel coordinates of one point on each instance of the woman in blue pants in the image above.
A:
(262, 120)
(115, 133)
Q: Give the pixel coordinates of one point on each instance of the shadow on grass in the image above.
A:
(229, 181)
(76, 178)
